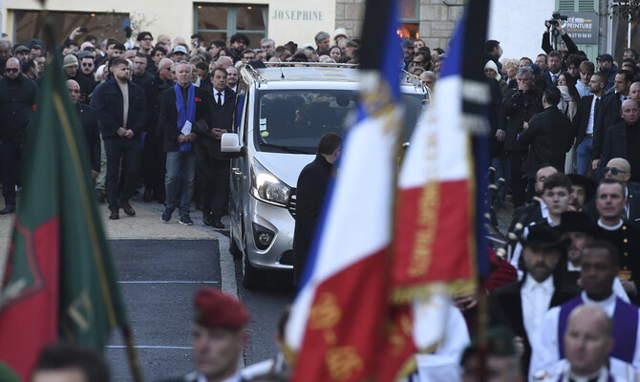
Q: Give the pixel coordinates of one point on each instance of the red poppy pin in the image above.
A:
(197, 99)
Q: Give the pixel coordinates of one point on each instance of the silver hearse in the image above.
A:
(282, 113)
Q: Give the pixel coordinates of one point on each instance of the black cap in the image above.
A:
(590, 185)
(546, 237)
(605, 57)
(572, 221)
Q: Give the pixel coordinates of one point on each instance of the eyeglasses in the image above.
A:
(11, 70)
(614, 171)
(266, 47)
(87, 64)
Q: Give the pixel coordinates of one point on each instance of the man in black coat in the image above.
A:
(519, 105)
(610, 113)
(621, 140)
(121, 132)
(522, 304)
(310, 194)
(178, 142)
(17, 97)
(548, 136)
(88, 120)
(212, 165)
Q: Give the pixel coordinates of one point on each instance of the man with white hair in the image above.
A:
(269, 46)
(224, 62)
(323, 42)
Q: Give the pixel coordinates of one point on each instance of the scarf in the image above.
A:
(185, 115)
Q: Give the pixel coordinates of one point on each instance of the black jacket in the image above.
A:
(581, 119)
(222, 118)
(505, 308)
(108, 102)
(310, 194)
(88, 119)
(549, 136)
(17, 99)
(519, 109)
(615, 143)
(608, 116)
(168, 118)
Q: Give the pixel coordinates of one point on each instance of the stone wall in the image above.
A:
(437, 19)
(349, 15)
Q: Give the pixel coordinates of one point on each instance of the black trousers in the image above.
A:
(215, 179)
(518, 178)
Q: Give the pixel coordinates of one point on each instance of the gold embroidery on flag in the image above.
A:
(325, 313)
(342, 362)
(426, 232)
(81, 311)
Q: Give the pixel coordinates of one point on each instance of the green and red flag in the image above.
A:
(60, 281)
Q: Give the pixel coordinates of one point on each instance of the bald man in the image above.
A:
(620, 169)
(87, 119)
(621, 140)
(634, 91)
(588, 341)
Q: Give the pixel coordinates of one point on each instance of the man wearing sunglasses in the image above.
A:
(17, 98)
(85, 77)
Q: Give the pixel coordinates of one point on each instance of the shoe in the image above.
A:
(166, 215)
(126, 207)
(115, 215)
(206, 219)
(216, 223)
(148, 196)
(102, 197)
(8, 209)
(185, 220)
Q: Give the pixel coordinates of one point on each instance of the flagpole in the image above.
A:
(134, 363)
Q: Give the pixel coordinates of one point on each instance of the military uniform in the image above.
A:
(626, 239)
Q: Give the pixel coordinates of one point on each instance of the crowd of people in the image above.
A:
(563, 293)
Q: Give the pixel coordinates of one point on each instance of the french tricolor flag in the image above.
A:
(336, 322)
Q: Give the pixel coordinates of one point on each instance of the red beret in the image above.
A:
(217, 309)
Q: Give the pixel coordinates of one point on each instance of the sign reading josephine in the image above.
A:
(582, 27)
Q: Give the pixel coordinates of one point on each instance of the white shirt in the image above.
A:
(544, 344)
(234, 378)
(591, 115)
(217, 94)
(619, 370)
(536, 298)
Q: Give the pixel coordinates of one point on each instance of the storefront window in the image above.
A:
(219, 21)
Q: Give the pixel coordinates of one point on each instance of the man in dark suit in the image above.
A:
(521, 305)
(610, 114)
(122, 112)
(584, 121)
(181, 108)
(621, 140)
(310, 194)
(212, 165)
(89, 123)
(548, 136)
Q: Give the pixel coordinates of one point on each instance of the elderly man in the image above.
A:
(269, 46)
(599, 268)
(224, 62)
(519, 105)
(88, 120)
(218, 336)
(621, 139)
(17, 100)
(323, 43)
(180, 110)
(122, 110)
(588, 341)
(522, 304)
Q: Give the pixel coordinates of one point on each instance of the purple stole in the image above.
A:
(625, 328)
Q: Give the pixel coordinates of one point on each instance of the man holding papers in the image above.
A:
(180, 108)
